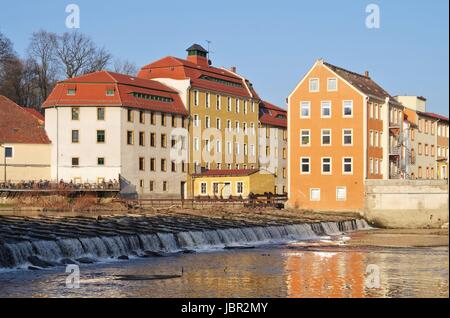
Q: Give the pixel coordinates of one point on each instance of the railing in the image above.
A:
(48, 186)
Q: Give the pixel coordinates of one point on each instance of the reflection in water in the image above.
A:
(272, 272)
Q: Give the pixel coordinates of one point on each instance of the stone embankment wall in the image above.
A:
(407, 204)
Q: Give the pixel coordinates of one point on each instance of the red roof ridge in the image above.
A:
(225, 172)
(269, 105)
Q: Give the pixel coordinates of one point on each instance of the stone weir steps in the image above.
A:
(50, 241)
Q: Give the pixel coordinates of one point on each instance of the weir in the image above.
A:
(56, 240)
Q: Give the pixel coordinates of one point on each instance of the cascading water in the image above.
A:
(14, 255)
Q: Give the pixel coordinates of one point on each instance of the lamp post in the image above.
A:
(4, 163)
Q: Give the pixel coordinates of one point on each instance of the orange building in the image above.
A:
(343, 129)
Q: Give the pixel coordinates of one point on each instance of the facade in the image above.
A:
(108, 126)
(223, 111)
(273, 134)
(343, 129)
(25, 147)
(234, 183)
(429, 140)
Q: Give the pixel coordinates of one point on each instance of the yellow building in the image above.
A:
(236, 183)
(24, 146)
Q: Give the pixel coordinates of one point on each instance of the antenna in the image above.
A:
(209, 45)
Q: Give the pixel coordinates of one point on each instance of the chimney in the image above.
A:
(366, 73)
(198, 55)
(233, 69)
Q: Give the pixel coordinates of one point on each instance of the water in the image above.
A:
(264, 272)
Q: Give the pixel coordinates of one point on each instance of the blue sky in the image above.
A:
(273, 43)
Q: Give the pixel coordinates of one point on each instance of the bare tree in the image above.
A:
(42, 53)
(6, 49)
(125, 67)
(79, 55)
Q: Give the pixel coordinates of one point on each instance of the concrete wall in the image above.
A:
(407, 204)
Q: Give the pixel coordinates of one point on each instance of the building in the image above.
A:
(108, 126)
(223, 111)
(429, 139)
(25, 147)
(343, 129)
(273, 134)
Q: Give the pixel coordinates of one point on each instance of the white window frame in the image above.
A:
(308, 104)
(330, 163)
(207, 100)
(343, 166)
(218, 123)
(196, 120)
(321, 137)
(343, 137)
(218, 146)
(322, 108)
(337, 191)
(207, 122)
(237, 187)
(301, 137)
(311, 194)
(196, 94)
(301, 165)
(229, 104)
(328, 84)
(196, 144)
(201, 187)
(318, 85)
(344, 107)
(218, 102)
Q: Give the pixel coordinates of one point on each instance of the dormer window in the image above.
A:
(71, 91)
(110, 92)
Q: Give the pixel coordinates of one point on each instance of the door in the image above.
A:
(183, 190)
(226, 191)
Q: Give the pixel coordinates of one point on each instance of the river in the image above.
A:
(334, 268)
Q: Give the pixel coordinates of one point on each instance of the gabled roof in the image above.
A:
(19, 126)
(226, 173)
(433, 115)
(36, 114)
(362, 83)
(271, 115)
(91, 91)
(206, 77)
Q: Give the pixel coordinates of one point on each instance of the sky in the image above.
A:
(272, 43)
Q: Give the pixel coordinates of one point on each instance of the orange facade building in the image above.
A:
(343, 129)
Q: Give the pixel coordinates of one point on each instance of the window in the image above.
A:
(332, 84)
(218, 102)
(152, 118)
(347, 137)
(252, 150)
(183, 166)
(347, 109)
(101, 136)
(173, 142)
(196, 144)
(196, 121)
(244, 127)
(163, 165)
(229, 125)
(347, 165)
(313, 85)
(207, 146)
(305, 109)
(207, 100)
(305, 137)
(100, 161)
(245, 150)
(375, 111)
(141, 138)
(284, 153)
(371, 165)
(341, 193)
(229, 148)
(152, 186)
(253, 106)
(419, 172)
(238, 105)
(130, 137)
(110, 92)
(9, 152)
(174, 166)
(101, 113)
(203, 189)
(215, 188)
(238, 127)
(432, 151)
(305, 165)
(152, 140)
(163, 141)
(141, 164)
(326, 137)
(75, 162)
(163, 120)
(130, 115)
(165, 186)
(152, 164)
(245, 107)
(229, 104)
(325, 109)
(239, 187)
(75, 113)
(377, 139)
(141, 117)
(71, 92)
(326, 165)
(75, 136)
(218, 123)
(218, 146)
(195, 98)
(377, 167)
(314, 195)
(207, 122)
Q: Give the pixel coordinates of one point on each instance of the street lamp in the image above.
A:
(4, 162)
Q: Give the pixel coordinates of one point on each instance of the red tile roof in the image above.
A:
(176, 68)
(272, 115)
(226, 173)
(19, 126)
(36, 114)
(91, 91)
(363, 83)
(433, 115)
